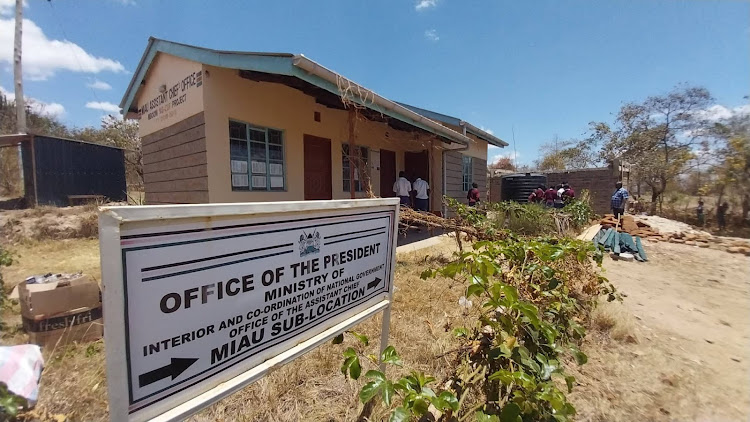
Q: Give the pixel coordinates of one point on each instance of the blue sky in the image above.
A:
(540, 68)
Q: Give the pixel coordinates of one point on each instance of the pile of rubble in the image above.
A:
(639, 226)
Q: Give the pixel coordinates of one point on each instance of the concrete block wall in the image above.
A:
(174, 163)
(600, 182)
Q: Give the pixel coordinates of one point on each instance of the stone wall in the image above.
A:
(600, 182)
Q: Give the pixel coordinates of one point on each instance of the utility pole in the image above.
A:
(17, 71)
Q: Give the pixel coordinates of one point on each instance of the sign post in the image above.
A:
(202, 300)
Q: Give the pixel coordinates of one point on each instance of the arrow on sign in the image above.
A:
(373, 284)
(174, 369)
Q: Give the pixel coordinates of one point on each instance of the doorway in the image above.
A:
(417, 164)
(318, 180)
(387, 173)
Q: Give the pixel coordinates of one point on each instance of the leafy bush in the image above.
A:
(10, 403)
(6, 259)
(534, 295)
(528, 219)
(580, 213)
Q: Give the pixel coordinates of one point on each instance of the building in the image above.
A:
(222, 126)
(62, 172)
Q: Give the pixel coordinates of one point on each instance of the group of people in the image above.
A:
(721, 214)
(404, 189)
(420, 190)
(553, 196)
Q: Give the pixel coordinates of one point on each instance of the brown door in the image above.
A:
(387, 173)
(417, 164)
(318, 183)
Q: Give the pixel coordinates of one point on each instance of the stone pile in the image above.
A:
(691, 238)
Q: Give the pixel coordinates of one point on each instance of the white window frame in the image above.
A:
(359, 186)
(467, 177)
(249, 161)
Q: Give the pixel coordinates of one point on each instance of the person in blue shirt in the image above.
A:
(619, 200)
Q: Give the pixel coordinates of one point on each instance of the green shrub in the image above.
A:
(532, 293)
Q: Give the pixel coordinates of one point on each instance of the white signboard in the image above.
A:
(199, 300)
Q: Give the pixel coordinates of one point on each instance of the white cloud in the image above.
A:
(510, 154)
(55, 110)
(431, 35)
(490, 131)
(8, 7)
(718, 112)
(425, 4)
(97, 84)
(103, 106)
(43, 57)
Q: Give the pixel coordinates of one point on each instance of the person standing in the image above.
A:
(473, 195)
(558, 202)
(619, 200)
(402, 189)
(700, 213)
(721, 216)
(421, 195)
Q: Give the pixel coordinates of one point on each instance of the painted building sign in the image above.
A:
(173, 92)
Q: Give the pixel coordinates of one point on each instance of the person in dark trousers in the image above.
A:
(619, 200)
(402, 189)
(721, 216)
(421, 194)
(700, 213)
(473, 195)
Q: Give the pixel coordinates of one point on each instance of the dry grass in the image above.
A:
(312, 388)
(615, 319)
(46, 223)
(53, 256)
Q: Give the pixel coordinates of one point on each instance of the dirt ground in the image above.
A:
(685, 355)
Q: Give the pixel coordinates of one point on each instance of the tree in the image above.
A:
(658, 137)
(565, 155)
(503, 163)
(732, 160)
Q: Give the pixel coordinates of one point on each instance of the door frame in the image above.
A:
(312, 138)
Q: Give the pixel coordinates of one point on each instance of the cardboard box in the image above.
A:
(62, 312)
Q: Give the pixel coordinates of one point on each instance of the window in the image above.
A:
(466, 173)
(256, 157)
(360, 168)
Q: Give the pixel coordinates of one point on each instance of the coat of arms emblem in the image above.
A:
(309, 243)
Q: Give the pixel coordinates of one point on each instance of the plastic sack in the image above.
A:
(21, 369)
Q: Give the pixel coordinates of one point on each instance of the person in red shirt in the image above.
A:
(549, 196)
(539, 194)
(473, 195)
(568, 193)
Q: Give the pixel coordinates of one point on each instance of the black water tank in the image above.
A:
(518, 187)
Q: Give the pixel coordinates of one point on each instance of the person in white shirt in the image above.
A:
(421, 195)
(402, 189)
